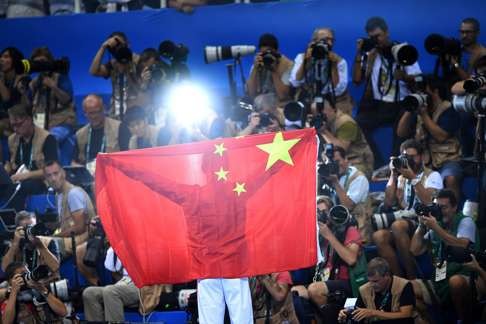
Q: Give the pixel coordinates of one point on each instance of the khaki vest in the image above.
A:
(58, 113)
(67, 218)
(36, 316)
(438, 152)
(153, 134)
(38, 140)
(368, 294)
(111, 137)
(358, 152)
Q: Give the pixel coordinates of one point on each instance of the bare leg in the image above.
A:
(400, 229)
(382, 239)
(461, 296)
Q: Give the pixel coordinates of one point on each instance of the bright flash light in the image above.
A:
(189, 104)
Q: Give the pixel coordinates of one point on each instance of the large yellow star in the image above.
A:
(240, 187)
(219, 149)
(221, 174)
(278, 150)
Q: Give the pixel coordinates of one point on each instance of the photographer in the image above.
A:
(410, 183)
(385, 82)
(472, 50)
(272, 300)
(333, 73)
(29, 147)
(53, 105)
(447, 228)
(100, 135)
(143, 134)
(29, 301)
(342, 130)
(270, 70)
(434, 123)
(32, 250)
(384, 299)
(75, 211)
(122, 70)
(351, 189)
(107, 303)
(341, 248)
(13, 85)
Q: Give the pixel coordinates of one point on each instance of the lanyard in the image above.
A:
(88, 146)
(384, 301)
(388, 70)
(29, 165)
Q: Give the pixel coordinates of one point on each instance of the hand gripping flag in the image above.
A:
(227, 208)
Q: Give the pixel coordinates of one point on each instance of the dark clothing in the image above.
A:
(124, 136)
(31, 256)
(94, 146)
(24, 152)
(380, 114)
(383, 302)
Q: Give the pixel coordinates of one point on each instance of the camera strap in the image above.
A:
(385, 75)
(410, 194)
(31, 158)
(88, 145)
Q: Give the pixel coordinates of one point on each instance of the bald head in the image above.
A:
(94, 110)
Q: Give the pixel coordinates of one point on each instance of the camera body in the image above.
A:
(159, 72)
(121, 52)
(368, 44)
(432, 209)
(320, 49)
(402, 161)
(329, 167)
(269, 58)
(413, 101)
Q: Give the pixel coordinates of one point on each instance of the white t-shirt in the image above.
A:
(76, 201)
(342, 68)
(413, 69)
(434, 181)
(113, 266)
(358, 188)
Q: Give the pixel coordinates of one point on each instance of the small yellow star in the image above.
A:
(221, 174)
(219, 149)
(240, 187)
(278, 150)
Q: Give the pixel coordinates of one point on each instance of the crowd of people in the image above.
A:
(418, 217)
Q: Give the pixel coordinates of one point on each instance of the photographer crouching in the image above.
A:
(341, 244)
(444, 228)
(384, 299)
(28, 247)
(29, 300)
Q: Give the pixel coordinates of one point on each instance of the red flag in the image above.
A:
(231, 207)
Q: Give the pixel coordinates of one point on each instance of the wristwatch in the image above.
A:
(45, 293)
(414, 182)
(456, 65)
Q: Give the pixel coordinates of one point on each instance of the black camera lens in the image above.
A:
(320, 49)
(40, 272)
(339, 215)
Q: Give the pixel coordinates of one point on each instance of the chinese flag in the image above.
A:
(227, 208)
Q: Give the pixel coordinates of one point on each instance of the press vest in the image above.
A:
(111, 137)
(38, 141)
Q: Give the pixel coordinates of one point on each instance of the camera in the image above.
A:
(473, 84)
(329, 167)
(159, 71)
(96, 244)
(39, 229)
(173, 52)
(39, 273)
(269, 58)
(322, 216)
(432, 209)
(368, 44)
(402, 162)
(60, 66)
(220, 53)
(339, 216)
(404, 54)
(384, 220)
(60, 289)
(469, 103)
(437, 44)
(320, 49)
(463, 255)
(121, 52)
(413, 101)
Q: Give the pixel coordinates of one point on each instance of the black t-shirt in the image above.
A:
(383, 301)
(95, 144)
(24, 152)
